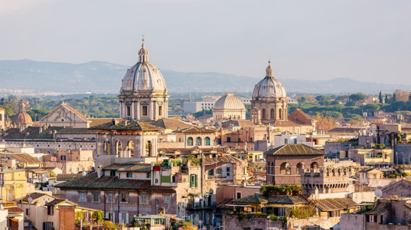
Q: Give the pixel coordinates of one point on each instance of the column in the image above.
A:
(132, 110)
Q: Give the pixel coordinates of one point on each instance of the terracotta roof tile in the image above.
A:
(173, 124)
(332, 204)
(294, 149)
(14, 209)
(131, 125)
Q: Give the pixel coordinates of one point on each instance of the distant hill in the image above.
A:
(104, 77)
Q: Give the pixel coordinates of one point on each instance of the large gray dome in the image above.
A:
(229, 101)
(269, 87)
(143, 76)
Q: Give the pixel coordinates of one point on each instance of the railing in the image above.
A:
(192, 205)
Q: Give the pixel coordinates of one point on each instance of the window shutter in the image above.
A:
(120, 218)
(127, 221)
(196, 185)
(107, 215)
(114, 217)
(191, 181)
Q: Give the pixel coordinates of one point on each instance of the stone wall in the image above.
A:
(323, 222)
(256, 223)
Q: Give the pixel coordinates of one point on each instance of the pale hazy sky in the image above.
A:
(367, 40)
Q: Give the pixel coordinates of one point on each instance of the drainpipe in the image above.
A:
(118, 204)
(138, 203)
(104, 203)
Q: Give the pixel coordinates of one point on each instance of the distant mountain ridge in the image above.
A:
(104, 77)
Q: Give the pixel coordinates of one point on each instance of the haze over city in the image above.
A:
(316, 40)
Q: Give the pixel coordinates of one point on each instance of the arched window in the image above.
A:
(190, 141)
(272, 114)
(198, 141)
(314, 165)
(280, 114)
(148, 148)
(119, 147)
(299, 168)
(263, 113)
(130, 147)
(207, 141)
(285, 169)
(106, 148)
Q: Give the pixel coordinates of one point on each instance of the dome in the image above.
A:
(143, 76)
(229, 101)
(22, 118)
(269, 87)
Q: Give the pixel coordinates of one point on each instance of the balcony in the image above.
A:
(201, 205)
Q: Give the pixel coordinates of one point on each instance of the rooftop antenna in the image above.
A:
(143, 38)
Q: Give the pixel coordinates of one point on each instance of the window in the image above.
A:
(113, 173)
(228, 171)
(193, 181)
(110, 198)
(63, 157)
(238, 195)
(198, 141)
(207, 141)
(82, 197)
(27, 211)
(148, 175)
(124, 218)
(190, 141)
(144, 110)
(124, 197)
(228, 139)
(160, 110)
(128, 111)
(211, 172)
(167, 199)
(129, 175)
(50, 210)
(219, 171)
(96, 197)
(143, 199)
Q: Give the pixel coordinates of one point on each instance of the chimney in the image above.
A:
(40, 130)
(125, 123)
(54, 134)
(99, 171)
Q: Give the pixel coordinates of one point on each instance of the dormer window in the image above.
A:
(113, 173)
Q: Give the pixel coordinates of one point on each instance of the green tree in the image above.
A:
(386, 98)
(321, 98)
(380, 97)
(394, 98)
(357, 97)
(98, 217)
(352, 117)
(371, 107)
(301, 100)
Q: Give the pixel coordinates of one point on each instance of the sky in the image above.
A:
(367, 40)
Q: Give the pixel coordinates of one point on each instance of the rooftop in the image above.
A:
(294, 149)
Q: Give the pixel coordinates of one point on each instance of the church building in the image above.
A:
(143, 93)
(269, 106)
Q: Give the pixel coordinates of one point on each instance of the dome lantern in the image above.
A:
(269, 71)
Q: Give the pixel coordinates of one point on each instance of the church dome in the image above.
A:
(143, 76)
(22, 118)
(229, 101)
(269, 87)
